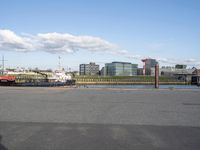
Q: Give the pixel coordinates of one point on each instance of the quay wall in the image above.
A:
(130, 83)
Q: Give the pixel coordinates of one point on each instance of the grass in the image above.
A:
(123, 79)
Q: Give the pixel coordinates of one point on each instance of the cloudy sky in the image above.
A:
(33, 33)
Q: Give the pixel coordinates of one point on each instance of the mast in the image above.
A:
(59, 66)
(3, 63)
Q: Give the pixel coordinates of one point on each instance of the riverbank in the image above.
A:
(127, 80)
(128, 83)
(137, 87)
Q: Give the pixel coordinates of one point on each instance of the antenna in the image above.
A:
(59, 62)
(3, 62)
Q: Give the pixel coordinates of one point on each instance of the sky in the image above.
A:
(34, 33)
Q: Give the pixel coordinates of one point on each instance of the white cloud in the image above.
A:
(189, 62)
(12, 42)
(55, 43)
(192, 61)
(168, 60)
(68, 43)
(131, 56)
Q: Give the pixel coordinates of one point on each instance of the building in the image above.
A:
(196, 72)
(120, 69)
(153, 72)
(148, 64)
(167, 71)
(89, 69)
(102, 72)
(196, 77)
(140, 71)
(178, 72)
(178, 66)
(134, 69)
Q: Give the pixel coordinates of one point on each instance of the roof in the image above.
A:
(196, 72)
(121, 62)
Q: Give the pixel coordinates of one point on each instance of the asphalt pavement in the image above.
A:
(110, 119)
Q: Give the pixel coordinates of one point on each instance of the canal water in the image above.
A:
(141, 86)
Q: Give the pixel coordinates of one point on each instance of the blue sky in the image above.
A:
(168, 30)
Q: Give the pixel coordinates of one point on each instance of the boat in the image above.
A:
(7, 80)
(58, 78)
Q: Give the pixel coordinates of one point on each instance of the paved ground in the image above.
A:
(60, 118)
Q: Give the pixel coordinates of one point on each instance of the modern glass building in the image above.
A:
(120, 69)
(134, 69)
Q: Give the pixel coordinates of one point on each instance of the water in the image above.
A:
(142, 86)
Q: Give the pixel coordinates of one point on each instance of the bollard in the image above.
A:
(156, 76)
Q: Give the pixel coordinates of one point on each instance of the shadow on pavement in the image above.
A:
(2, 147)
(76, 136)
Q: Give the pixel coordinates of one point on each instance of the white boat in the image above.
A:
(61, 76)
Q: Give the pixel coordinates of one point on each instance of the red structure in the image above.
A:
(144, 66)
(7, 78)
